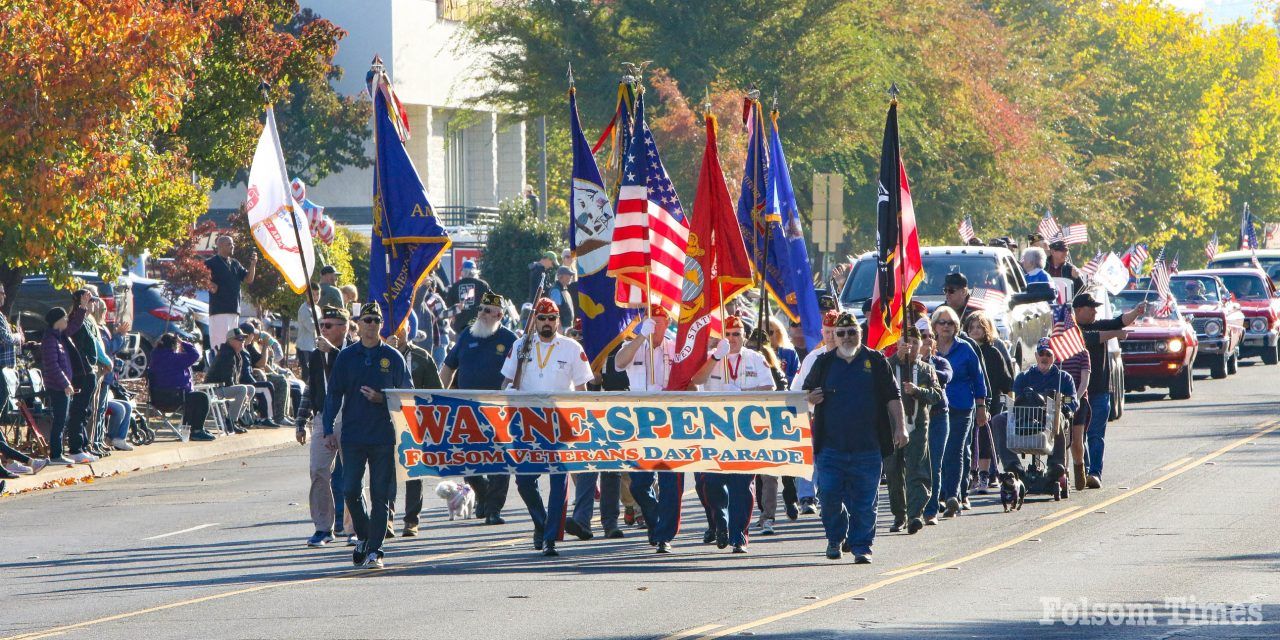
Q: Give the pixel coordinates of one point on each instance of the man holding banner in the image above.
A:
(850, 442)
(546, 362)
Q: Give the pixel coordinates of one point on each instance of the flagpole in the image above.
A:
(293, 222)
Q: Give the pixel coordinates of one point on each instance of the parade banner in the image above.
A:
(457, 433)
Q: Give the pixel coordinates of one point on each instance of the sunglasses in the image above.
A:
(945, 323)
(548, 317)
(841, 333)
(951, 290)
(371, 320)
(733, 334)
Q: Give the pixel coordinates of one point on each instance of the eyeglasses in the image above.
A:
(841, 333)
(548, 317)
(945, 323)
(371, 320)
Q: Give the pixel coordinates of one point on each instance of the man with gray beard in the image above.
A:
(475, 362)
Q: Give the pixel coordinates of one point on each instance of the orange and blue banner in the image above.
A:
(456, 433)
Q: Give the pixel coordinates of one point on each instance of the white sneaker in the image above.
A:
(121, 445)
(83, 458)
(37, 464)
(767, 528)
(352, 540)
(373, 561)
(14, 466)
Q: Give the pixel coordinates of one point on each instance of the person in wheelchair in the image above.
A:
(1034, 386)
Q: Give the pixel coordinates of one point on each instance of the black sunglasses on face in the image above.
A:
(371, 320)
(840, 333)
(945, 323)
(548, 318)
(733, 334)
(332, 325)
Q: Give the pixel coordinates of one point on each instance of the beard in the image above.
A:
(484, 328)
(547, 331)
(846, 352)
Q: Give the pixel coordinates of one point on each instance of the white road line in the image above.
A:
(174, 533)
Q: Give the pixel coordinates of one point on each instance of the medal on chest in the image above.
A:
(733, 369)
(543, 360)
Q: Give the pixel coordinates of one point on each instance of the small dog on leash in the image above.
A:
(460, 498)
(1058, 476)
(1012, 491)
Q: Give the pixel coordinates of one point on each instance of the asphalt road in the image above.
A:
(1184, 531)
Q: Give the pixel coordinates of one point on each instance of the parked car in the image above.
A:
(1216, 317)
(1025, 320)
(36, 296)
(1260, 302)
(1268, 259)
(1161, 348)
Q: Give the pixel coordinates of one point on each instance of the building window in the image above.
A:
(457, 10)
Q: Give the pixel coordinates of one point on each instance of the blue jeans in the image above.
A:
(118, 415)
(849, 488)
(1100, 408)
(954, 471)
(937, 446)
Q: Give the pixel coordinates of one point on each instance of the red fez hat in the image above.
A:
(545, 306)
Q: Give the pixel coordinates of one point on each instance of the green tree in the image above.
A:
(516, 240)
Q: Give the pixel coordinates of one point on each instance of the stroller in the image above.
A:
(1035, 421)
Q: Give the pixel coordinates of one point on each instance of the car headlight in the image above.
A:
(1175, 345)
(1258, 325)
(1213, 328)
(1161, 347)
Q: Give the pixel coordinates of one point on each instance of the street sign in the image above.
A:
(828, 214)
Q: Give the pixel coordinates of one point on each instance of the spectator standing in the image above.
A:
(61, 366)
(306, 341)
(330, 295)
(227, 274)
(564, 293)
(465, 295)
(538, 272)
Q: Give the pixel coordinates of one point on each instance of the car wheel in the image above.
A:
(1272, 355)
(1181, 387)
(1218, 367)
(1233, 363)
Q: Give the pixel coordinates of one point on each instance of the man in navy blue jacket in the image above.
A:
(360, 374)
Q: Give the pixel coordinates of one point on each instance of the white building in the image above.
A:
(467, 167)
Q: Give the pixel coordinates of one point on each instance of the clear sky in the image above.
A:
(1221, 10)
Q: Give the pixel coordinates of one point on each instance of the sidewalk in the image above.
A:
(161, 454)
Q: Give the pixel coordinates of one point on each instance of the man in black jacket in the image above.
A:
(225, 372)
(850, 442)
(326, 466)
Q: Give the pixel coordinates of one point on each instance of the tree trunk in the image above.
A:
(10, 278)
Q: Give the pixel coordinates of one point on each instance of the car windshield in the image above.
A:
(1125, 301)
(982, 272)
(1270, 265)
(1246, 287)
(1194, 290)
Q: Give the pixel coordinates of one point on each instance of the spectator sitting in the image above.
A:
(228, 370)
(1033, 264)
(255, 370)
(169, 381)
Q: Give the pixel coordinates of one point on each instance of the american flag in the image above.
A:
(983, 299)
(1065, 340)
(1211, 247)
(1091, 267)
(1248, 237)
(1135, 257)
(966, 230)
(1048, 226)
(650, 232)
(1160, 282)
(1075, 233)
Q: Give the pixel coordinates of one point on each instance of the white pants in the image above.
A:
(219, 325)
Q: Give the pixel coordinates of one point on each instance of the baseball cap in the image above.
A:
(468, 264)
(1085, 300)
(235, 334)
(955, 279)
(1044, 345)
(329, 269)
(1058, 245)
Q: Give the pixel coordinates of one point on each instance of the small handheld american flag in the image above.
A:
(1075, 233)
(1048, 227)
(983, 299)
(1065, 340)
(1091, 267)
(1211, 247)
(1160, 282)
(966, 230)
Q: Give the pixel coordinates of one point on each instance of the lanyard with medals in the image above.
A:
(733, 370)
(542, 362)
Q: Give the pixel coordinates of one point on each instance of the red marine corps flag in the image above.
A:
(897, 242)
(717, 268)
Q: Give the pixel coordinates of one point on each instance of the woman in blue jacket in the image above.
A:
(966, 398)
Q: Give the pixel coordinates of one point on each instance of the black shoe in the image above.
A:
(238, 429)
(807, 507)
(550, 551)
(201, 436)
(915, 525)
(573, 528)
(614, 534)
(792, 512)
(357, 556)
(833, 551)
(664, 547)
(844, 546)
(389, 534)
(708, 536)
(409, 532)
(722, 539)
(898, 524)
(862, 558)
(739, 548)
(494, 519)
(537, 538)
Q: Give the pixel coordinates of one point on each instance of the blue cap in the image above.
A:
(1043, 345)
(468, 264)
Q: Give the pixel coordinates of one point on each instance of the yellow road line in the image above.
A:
(910, 567)
(1270, 426)
(1063, 512)
(1175, 463)
(345, 575)
(691, 632)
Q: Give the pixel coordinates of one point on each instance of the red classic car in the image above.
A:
(1205, 301)
(1261, 306)
(1160, 348)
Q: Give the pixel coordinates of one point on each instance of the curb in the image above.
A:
(161, 455)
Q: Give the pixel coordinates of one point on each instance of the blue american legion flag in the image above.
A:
(799, 300)
(407, 239)
(650, 233)
(604, 323)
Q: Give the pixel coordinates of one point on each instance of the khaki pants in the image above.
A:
(321, 496)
